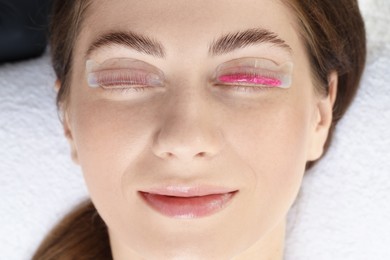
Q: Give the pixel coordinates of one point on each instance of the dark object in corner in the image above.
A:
(23, 28)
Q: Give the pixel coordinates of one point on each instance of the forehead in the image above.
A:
(180, 24)
(188, 11)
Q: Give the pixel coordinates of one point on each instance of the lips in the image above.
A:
(187, 203)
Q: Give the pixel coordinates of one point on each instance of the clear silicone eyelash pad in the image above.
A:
(254, 71)
(122, 72)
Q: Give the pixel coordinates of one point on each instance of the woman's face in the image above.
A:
(191, 167)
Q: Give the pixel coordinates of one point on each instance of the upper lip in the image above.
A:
(188, 191)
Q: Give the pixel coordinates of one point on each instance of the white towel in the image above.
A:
(342, 211)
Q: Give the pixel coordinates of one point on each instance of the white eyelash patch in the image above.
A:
(254, 71)
(122, 72)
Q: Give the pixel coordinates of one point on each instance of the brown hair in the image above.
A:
(333, 33)
(335, 39)
(82, 234)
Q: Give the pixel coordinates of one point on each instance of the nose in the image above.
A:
(188, 131)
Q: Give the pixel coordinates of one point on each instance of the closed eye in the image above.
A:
(120, 78)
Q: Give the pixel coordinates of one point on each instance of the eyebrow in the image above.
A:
(233, 41)
(222, 45)
(131, 40)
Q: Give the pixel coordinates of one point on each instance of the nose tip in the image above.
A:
(189, 127)
(187, 145)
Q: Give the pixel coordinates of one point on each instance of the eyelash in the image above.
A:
(125, 90)
(230, 86)
(240, 88)
(246, 88)
(120, 78)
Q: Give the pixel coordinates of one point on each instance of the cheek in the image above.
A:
(273, 146)
(109, 137)
(275, 134)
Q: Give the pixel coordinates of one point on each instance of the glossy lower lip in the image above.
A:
(188, 207)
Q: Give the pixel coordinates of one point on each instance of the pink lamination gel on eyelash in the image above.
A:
(253, 71)
(244, 78)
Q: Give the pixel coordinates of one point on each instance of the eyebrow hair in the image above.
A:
(232, 41)
(222, 45)
(132, 40)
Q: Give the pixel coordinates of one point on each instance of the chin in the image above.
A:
(188, 253)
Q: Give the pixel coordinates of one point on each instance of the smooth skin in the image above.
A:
(193, 132)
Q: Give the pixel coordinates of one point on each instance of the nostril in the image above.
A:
(202, 154)
(167, 155)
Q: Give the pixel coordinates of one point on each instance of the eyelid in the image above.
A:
(254, 71)
(148, 74)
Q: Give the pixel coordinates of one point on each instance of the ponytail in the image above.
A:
(82, 234)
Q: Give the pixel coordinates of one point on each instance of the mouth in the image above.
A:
(185, 203)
